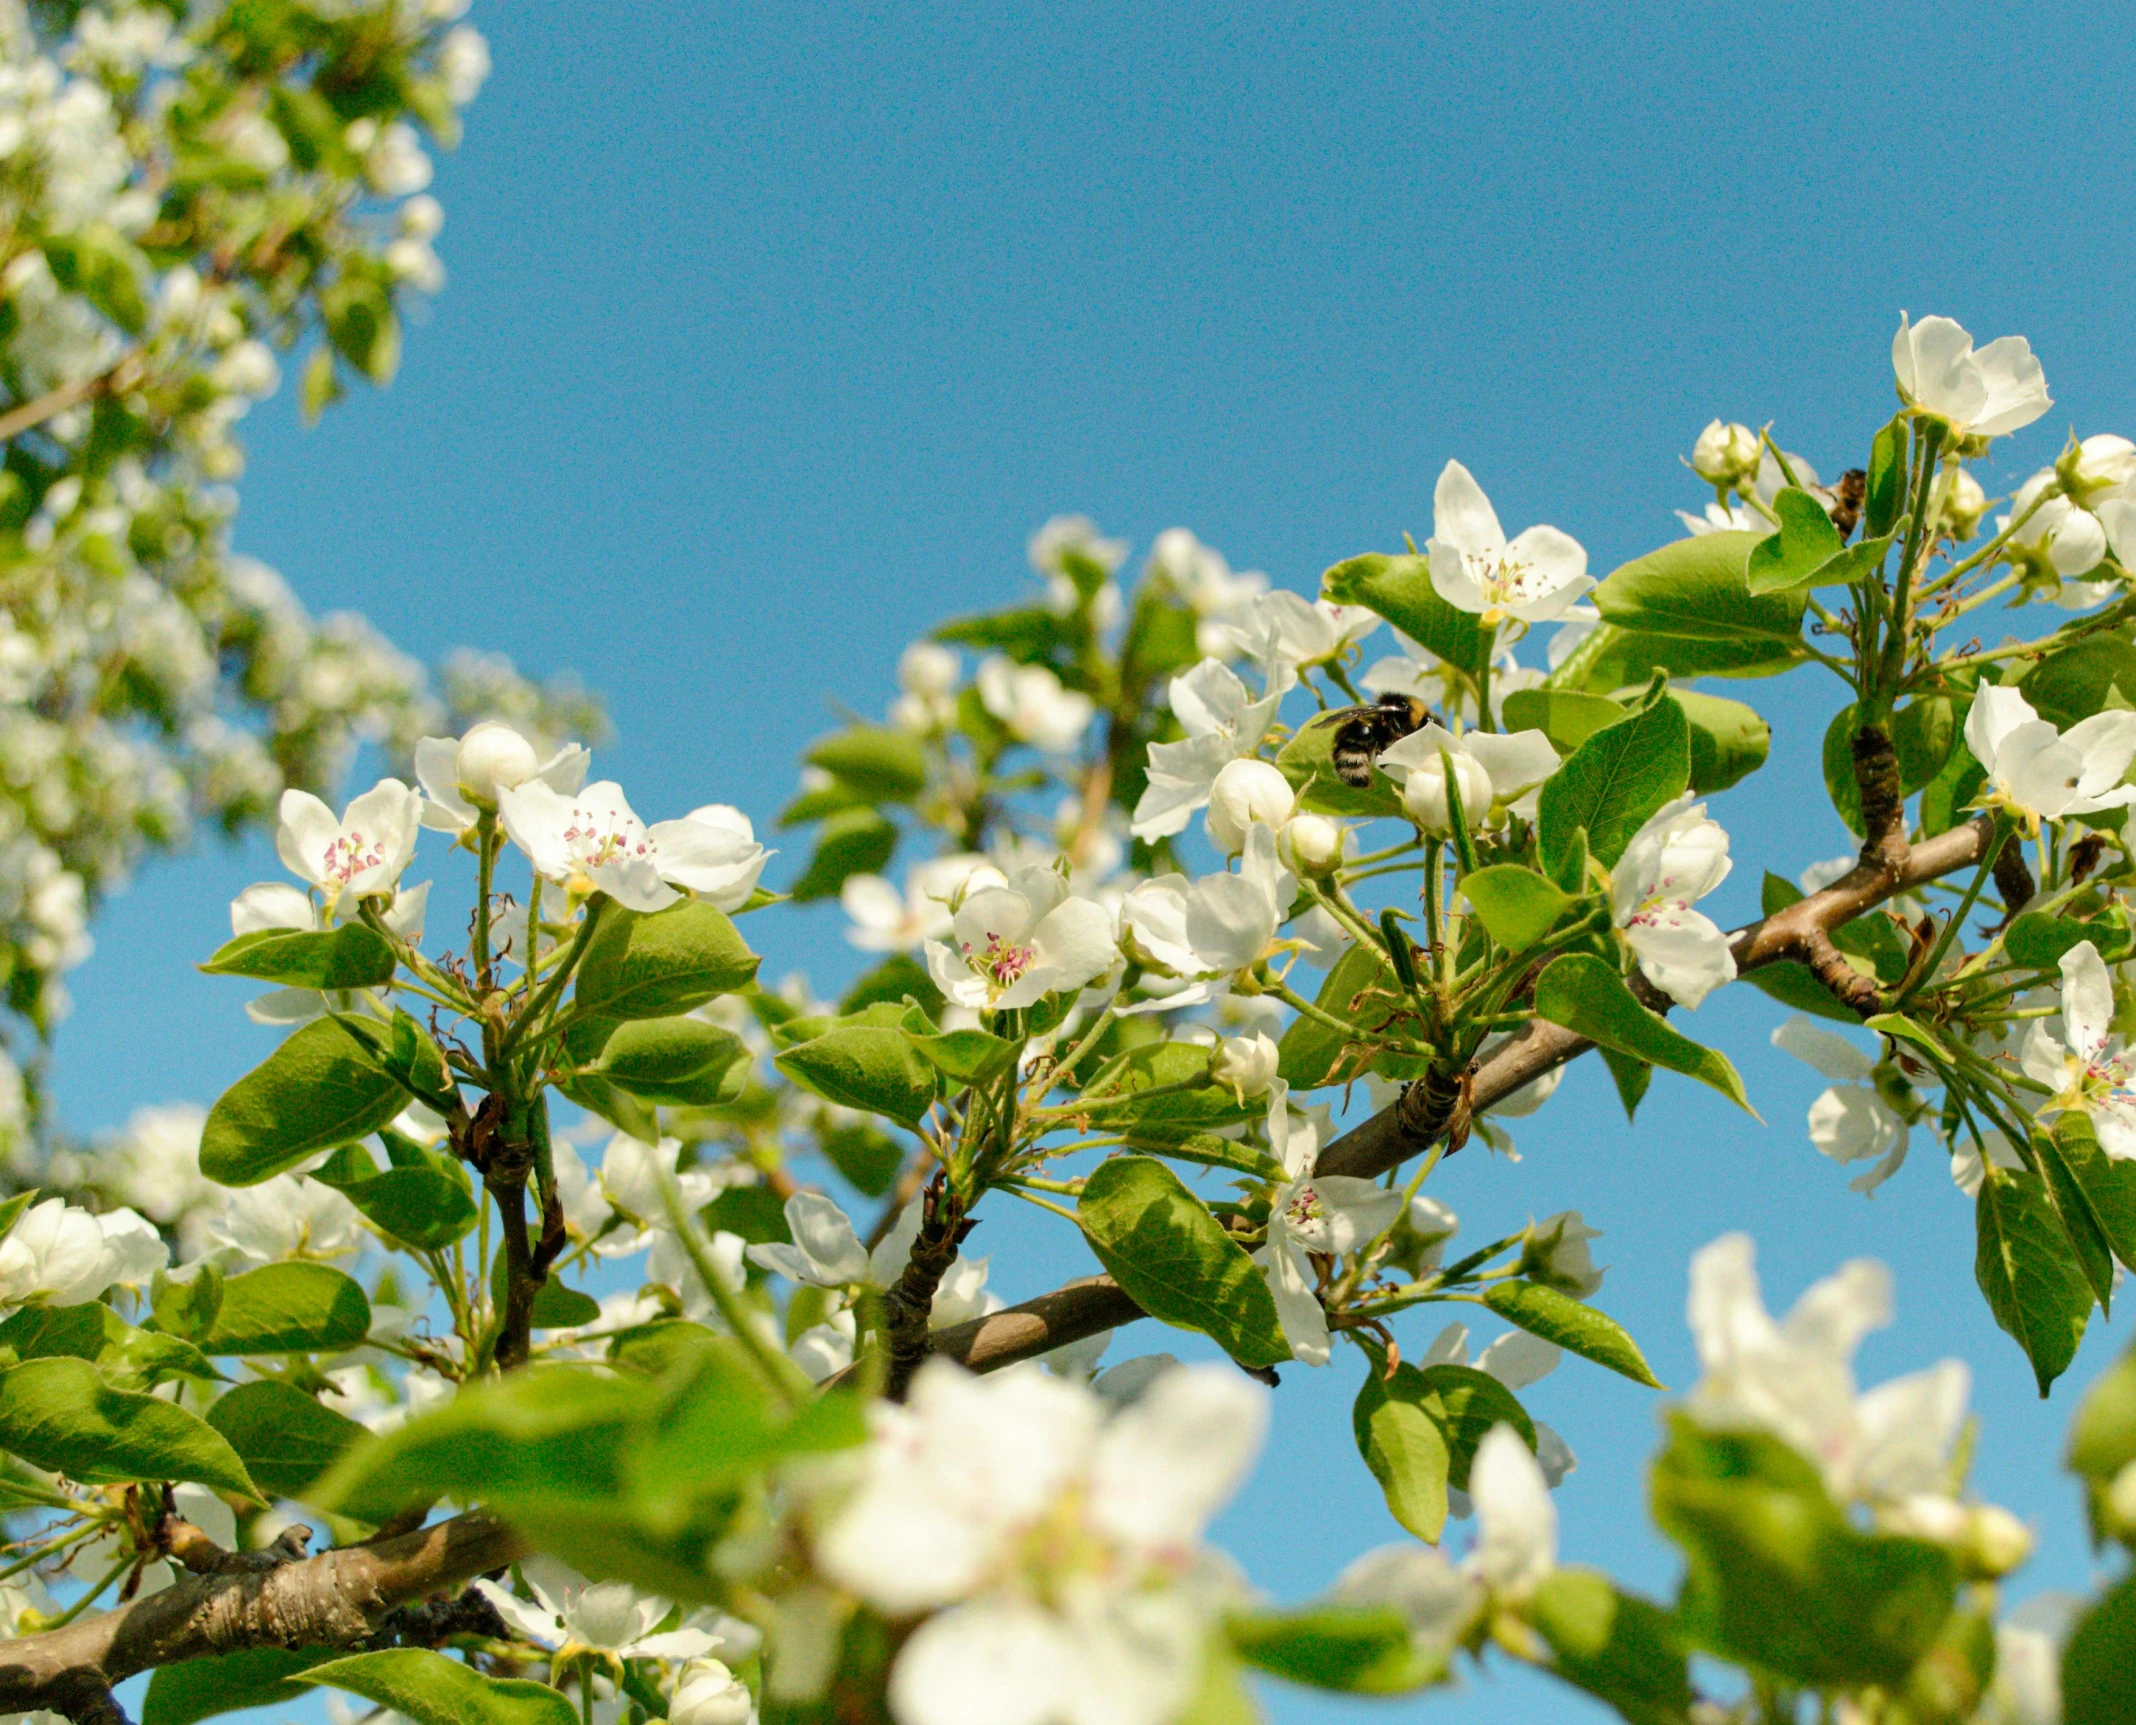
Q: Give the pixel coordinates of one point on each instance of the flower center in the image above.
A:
(600, 837)
(1506, 580)
(347, 857)
(1002, 961)
(1304, 1207)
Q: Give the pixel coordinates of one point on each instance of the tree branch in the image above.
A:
(336, 1599)
(1801, 933)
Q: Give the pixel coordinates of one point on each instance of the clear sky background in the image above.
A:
(773, 331)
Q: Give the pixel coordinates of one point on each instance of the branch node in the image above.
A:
(1876, 778)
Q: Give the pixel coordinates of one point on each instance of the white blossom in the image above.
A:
(1474, 567)
(1851, 1122)
(1984, 392)
(1969, 1168)
(1013, 945)
(885, 920)
(1516, 1544)
(2087, 1068)
(1328, 1214)
(1726, 454)
(1244, 1065)
(1245, 793)
(611, 1617)
(58, 1255)
(1495, 771)
(360, 855)
(827, 1253)
(1673, 861)
(1032, 706)
(2040, 773)
(462, 777)
(1223, 723)
(1207, 931)
(707, 1693)
(289, 1216)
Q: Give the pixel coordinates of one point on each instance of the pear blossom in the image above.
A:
(1795, 1379)
(1244, 1065)
(1494, 771)
(827, 1253)
(2040, 773)
(885, 920)
(825, 1349)
(1048, 1536)
(1673, 861)
(927, 676)
(634, 1176)
(1013, 945)
(1726, 454)
(2054, 538)
(1204, 579)
(1324, 1214)
(711, 852)
(1032, 705)
(1977, 392)
(358, 856)
(289, 1216)
(2027, 1684)
(1533, 577)
(707, 1693)
(1956, 503)
(1223, 723)
(1244, 793)
(1313, 844)
(2087, 1068)
(1435, 1597)
(1282, 631)
(1970, 1162)
(1208, 931)
(1069, 539)
(591, 842)
(463, 776)
(1516, 1544)
(607, 1617)
(1556, 1254)
(58, 1255)
(1851, 1122)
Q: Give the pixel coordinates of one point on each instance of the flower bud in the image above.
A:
(2121, 1502)
(1424, 796)
(2098, 464)
(1996, 1541)
(927, 668)
(1311, 844)
(491, 758)
(1956, 503)
(707, 1693)
(1244, 1065)
(1725, 454)
(1928, 1515)
(1246, 791)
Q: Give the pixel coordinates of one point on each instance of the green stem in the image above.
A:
(545, 996)
(485, 870)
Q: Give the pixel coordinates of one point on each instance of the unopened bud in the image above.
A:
(1424, 795)
(1247, 791)
(1244, 1065)
(1956, 503)
(491, 758)
(1996, 1541)
(927, 668)
(2095, 466)
(1725, 454)
(1311, 844)
(707, 1693)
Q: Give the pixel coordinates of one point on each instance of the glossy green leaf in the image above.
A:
(320, 1088)
(402, 1049)
(866, 1157)
(1797, 553)
(2039, 940)
(423, 1206)
(1729, 741)
(1611, 659)
(1118, 1100)
(2024, 1266)
(2093, 674)
(1796, 985)
(1177, 1261)
(1620, 1648)
(2109, 1185)
(351, 956)
(1884, 492)
(1399, 588)
(1466, 1403)
(1612, 783)
(2066, 1196)
(1405, 1446)
(1209, 1149)
(434, 1690)
(229, 1683)
(858, 841)
(288, 1308)
(1353, 1650)
(963, 1056)
(1631, 1077)
(1516, 904)
(1589, 998)
(60, 1415)
(881, 764)
(1566, 716)
(655, 965)
(675, 1062)
(285, 1438)
(1696, 588)
(2102, 1438)
(1575, 1327)
(874, 1068)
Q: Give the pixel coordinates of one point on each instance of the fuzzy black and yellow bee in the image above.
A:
(1362, 732)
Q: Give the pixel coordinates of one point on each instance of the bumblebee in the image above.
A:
(1362, 732)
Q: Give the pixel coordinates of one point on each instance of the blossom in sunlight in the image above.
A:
(1977, 392)
(1244, 1065)
(1795, 1378)
(1673, 861)
(1203, 578)
(288, 1217)
(1032, 706)
(1557, 1256)
(1223, 722)
(1243, 795)
(1956, 503)
(1056, 1543)
(1281, 632)
(358, 856)
(2039, 773)
(1726, 454)
(712, 853)
(2087, 1068)
(570, 1612)
(1474, 567)
(885, 920)
(1493, 771)
(708, 1693)
(1013, 945)
(1330, 1214)
(463, 776)
(927, 677)
(2055, 539)
(58, 1255)
(1312, 844)
(1851, 1122)
(591, 842)
(826, 1251)
(1207, 931)
(1516, 1541)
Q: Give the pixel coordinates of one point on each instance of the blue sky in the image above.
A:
(772, 333)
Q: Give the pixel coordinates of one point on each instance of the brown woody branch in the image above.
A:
(1801, 933)
(337, 1599)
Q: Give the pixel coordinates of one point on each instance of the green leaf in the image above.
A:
(2093, 1255)
(882, 765)
(2094, 674)
(1308, 762)
(288, 1308)
(1158, 1065)
(675, 1062)
(434, 1690)
(405, 1053)
(1618, 1647)
(1577, 1328)
(425, 1207)
(1177, 1261)
(1029, 634)
(864, 1155)
(874, 1068)
(2096, 1664)
(1567, 717)
(1517, 905)
(284, 1437)
(2109, 1185)
(319, 1089)
(1406, 1449)
(1795, 555)
(1944, 798)
(1884, 498)
(2024, 1267)
(859, 841)
(351, 956)
(2102, 1438)
(1612, 783)
(1353, 1650)
(1796, 985)
(1359, 986)
(1778, 1579)
(1399, 588)
(661, 963)
(1211, 1150)
(11, 1210)
(60, 1414)
(1924, 732)
(1729, 741)
(963, 1056)
(1589, 998)
(1696, 589)
(2038, 940)
(229, 1683)
(1631, 1078)
(1611, 659)
(1466, 1403)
